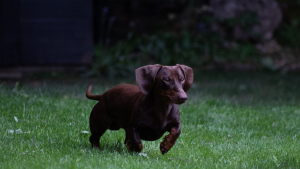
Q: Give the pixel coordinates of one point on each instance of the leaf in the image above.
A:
(11, 131)
(16, 119)
(143, 154)
(19, 131)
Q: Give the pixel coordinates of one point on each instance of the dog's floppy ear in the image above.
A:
(189, 76)
(145, 77)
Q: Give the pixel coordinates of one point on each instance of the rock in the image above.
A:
(269, 47)
(266, 12)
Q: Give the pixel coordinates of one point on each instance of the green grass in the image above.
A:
(231, 120)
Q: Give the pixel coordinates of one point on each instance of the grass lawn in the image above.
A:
(231, 120)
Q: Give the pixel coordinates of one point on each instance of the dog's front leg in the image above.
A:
(170, 139)
(134, 142)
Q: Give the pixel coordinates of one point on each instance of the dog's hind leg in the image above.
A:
(99, 123)
(97, 131)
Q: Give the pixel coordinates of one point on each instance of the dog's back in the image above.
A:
(119, 101)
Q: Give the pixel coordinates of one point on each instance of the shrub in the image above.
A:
(167, 49)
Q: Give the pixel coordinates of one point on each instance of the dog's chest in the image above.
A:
(154, 122)
(150, 133)
(152, 129)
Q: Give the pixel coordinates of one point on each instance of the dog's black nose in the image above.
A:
(183, 97)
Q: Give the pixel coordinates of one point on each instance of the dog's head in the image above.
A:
(168, 81)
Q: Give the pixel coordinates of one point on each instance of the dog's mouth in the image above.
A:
(177, 100)
(180, 102)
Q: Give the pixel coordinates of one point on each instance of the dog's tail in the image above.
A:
(92, 97)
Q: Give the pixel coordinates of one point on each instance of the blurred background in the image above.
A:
(111, 38)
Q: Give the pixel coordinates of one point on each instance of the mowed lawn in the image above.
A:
(231, 120)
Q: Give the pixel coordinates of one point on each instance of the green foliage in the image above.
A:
(162, 48)
(246, 21)
(239, 52)
(288, 34)
(231, 120)
(114, 61)
(167, 49)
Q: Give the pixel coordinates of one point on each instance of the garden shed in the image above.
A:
(46, 32)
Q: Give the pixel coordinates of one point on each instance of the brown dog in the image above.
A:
(145, 111)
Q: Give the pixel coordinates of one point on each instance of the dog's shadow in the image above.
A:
(118, 147)
(108, 147)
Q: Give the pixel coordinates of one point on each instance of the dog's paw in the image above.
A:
(129, 146)
(95, 144)
(140, 147)
(163, 148)
(137, 148)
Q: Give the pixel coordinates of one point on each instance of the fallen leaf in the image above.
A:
(19, 131)
(143, 154)
(16, 119)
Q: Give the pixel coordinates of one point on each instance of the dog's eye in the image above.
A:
(181, 79)
(167, 79)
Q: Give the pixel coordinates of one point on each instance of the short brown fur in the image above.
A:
(145, 111)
